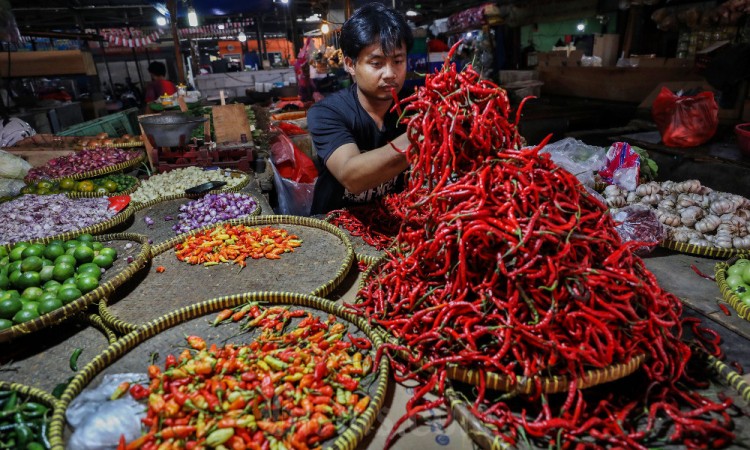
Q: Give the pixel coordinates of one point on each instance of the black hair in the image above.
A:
(372, 23)
(157, 68)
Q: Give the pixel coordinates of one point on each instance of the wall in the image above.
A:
(274, 45)
(547, 34)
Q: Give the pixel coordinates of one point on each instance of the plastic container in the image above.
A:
(115, 125)
(743, 137)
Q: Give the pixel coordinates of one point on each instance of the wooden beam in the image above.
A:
(172, 7)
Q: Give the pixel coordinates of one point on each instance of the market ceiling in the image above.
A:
(77, 15)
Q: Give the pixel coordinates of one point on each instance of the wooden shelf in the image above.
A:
(47, 63)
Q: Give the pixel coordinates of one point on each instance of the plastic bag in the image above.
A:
(98, 421)
(639, 223)
(623, 166)
(685, 120)
(294, 177)
(10, 187)
(578, 158)
(12, 166)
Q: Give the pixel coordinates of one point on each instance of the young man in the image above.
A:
(158, 85)
(353, 130)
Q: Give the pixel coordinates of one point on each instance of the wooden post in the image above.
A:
(172, 7)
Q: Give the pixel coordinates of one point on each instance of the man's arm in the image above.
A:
(358, 172)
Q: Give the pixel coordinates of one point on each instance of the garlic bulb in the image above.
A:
(666, 204)
(680, 234)
(723, 241)
(707, 224)
(722, 206)
(688, 186)
(741, 242)
(699, 242)
(612, 191)
(616, 201)
(668, 218)
(647, 189)
(744, 213)
(668, 186)
(651, 199)
(683, 201)
(631, 198)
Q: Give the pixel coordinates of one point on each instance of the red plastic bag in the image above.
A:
(291, 163)
(685, 121)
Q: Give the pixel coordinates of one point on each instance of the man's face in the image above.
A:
(376, 74)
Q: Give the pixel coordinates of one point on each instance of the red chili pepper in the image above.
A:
(724, 309)
(138, 391)
(320, 371)
(347, 382)
(176, 432)
(171, 361)
(266, 387)
(361, 343)
(160, 269)
(196, 342)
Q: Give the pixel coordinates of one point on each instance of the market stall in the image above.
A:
(496, 290)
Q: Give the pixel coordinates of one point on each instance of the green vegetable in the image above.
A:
(74, 359)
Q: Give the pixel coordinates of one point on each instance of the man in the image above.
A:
(353, 130)
(158, 85)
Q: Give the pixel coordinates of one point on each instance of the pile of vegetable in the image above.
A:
(176, 181)
(214, 208)
(235, 243)
(738, 279)
(104, 140)
(376, 223)
(692, 213)
(37, 216)
(108, 184)
(80, 162)
(36, 279)
(23, 423)
(505, 263)
(286, 389)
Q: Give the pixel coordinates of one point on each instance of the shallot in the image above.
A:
(79, 162)
(213, 208)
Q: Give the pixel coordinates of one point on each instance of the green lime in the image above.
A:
(5, 324)
(68, 294)
(16, 254)
(52, 251)
(103, 261)
(97, 246)
(4, 261)
(29, 279)
(48, 305)
(47, 262)
(29, 305)
(67, 259)
(46, 273)
(63, 271)
(87, 283)
(70, 244)
(83, 254)
(15, 265)
(51, 284)
(67, 184)
(85, 237)
(4, 281)
(3, 252)
(14, 276)
(89, 269)
(32, 293)
(109, 251)
(11, 293)
(9, 307)
(25, 315)
(33, 250)
(32, 264)
(47, 295)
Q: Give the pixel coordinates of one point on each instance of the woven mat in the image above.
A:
(153, 294)
(161, 230)
(42, 359)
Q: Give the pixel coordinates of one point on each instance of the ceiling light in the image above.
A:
(192, 17)
(161, 21)
(581, 26)
(313, 18)
(324, 28)
(411, 13)
(285, 1)
(242, 37)
(221, 26)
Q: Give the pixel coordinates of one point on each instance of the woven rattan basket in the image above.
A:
(709, 252)
(138, 307)
(109, 169)
(142, 340)
(520, 385)
(720, 270)
(128, 191)
(108, 285)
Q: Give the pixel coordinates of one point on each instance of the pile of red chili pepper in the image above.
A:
(290, 129)
(377, 223)
(505, 264)
(285, 390)
(235, 243)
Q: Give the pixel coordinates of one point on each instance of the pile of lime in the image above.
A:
(738, 279)
(108, 184)
(36, 279)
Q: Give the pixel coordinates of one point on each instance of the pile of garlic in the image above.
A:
(692, 213)
(176, 181)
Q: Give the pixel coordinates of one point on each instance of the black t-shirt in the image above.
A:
(340, 119)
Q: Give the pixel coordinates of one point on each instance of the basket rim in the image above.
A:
(347, 440)
(125, 327)
(36, 394)
(69, 310)
(709, 252)
(521, 385)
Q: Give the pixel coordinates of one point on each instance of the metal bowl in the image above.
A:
(169, 130)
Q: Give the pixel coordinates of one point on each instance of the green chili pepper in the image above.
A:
(34, 446)
(12, 402)
(275, 363)
(74, 359)
(23, 434)
(220, 436)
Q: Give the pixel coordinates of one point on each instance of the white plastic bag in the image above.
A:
(98, 421)
(10, 187)
(295, 199)
(578, 158)
(12, 166)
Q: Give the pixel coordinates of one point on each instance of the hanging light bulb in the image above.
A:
(324, 28)
(161, 21)
(192, 17)
(242, 37)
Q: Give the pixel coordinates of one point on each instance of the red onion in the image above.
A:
(82, 161)
(38, 216)
(213, 208)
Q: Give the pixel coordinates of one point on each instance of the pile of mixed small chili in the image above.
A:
(235, 243)
(506, 264)
(285, 390)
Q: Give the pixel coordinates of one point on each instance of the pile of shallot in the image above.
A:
(79, 162)
(38, 216)
(214, 208)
